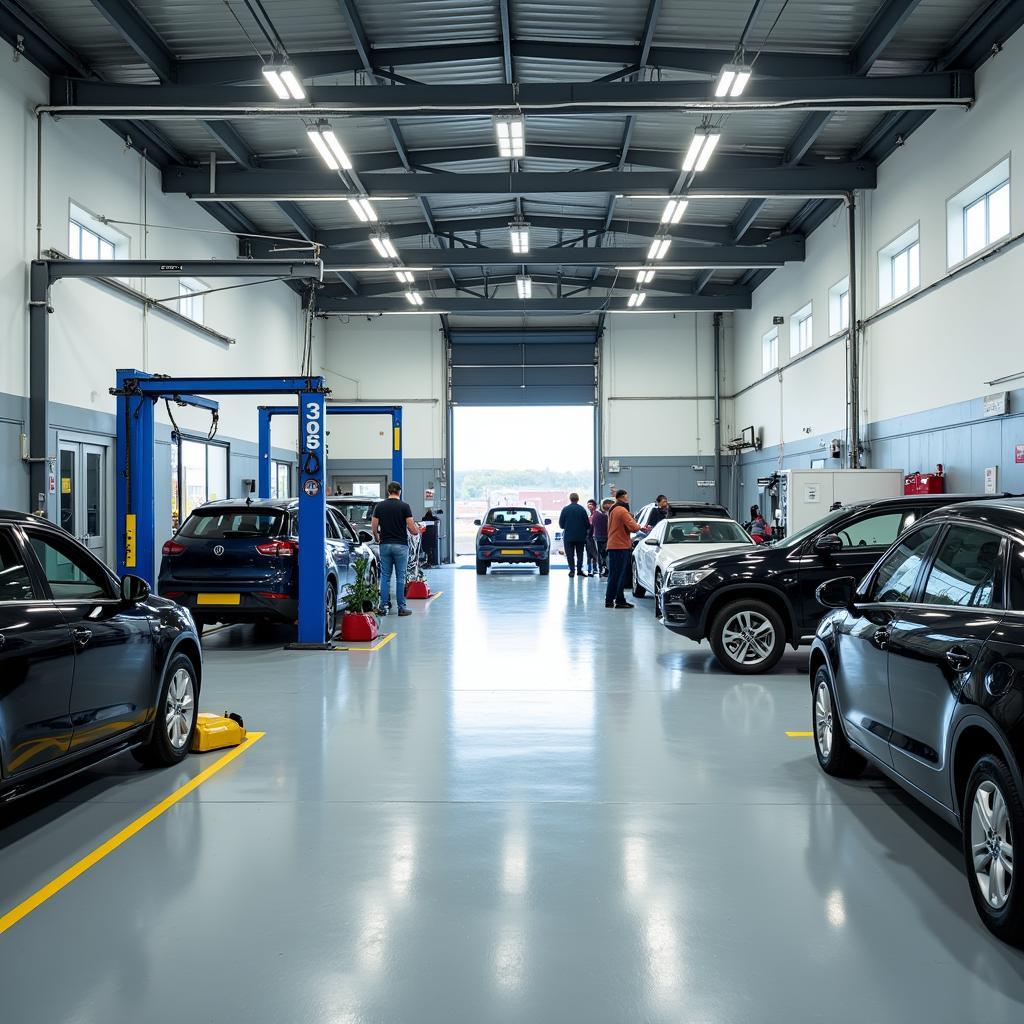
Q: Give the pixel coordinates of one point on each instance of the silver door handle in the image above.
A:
(3, 639)
(958, 658)
(82, 635)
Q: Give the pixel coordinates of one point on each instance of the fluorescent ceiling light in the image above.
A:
(519, 233)
(363, 209)
(702, 145)
(371, 270)
(524, 286)
(636, 299)
(327, 145)
(405, 276)
(414, 298)
(384, 246)
(732, 80)
(658, 248)
(283, 80)
(511, 134)
(674, 210)
(644, 276)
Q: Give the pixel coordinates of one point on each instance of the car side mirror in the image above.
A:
(134, 589)
(828, 544)
(547, 522)
(476, 522)
(838, 593)
(653, 541)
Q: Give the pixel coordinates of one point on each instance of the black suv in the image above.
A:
(920, 670)
(90, 665)
(751, 603)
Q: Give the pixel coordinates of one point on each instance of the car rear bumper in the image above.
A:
(254, 606)
(513, 554)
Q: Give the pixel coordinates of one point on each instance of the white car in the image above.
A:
(677, 538)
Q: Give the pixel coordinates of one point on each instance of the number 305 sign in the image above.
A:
(312, 426)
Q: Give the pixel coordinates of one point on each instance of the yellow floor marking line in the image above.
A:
(799, 735)
(65, 878)
(434, 597)
(386, 639)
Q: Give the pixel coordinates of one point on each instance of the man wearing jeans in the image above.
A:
(621, 526)
(391, 525)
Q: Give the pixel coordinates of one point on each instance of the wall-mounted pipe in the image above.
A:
(718, 407)
(853, 353)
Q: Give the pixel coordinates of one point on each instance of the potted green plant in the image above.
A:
(358, 621)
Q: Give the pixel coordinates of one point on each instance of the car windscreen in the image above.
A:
(705, 531)
(358, 513)
(800, 536)
(512, 516)
(232, 523)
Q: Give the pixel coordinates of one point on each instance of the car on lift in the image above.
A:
(750, 603)
(357, 512)
(919, 671)
(681, 537)
(512, 534)
(91, 665)
(675, 509)
(236, 561)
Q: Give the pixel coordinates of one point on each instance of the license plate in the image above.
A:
(512, 551)
(219, 599)
(512, 536)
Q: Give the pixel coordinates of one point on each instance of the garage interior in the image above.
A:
(758, 238)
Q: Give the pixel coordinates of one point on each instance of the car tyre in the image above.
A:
(748, 637)
(175, 720)
(657, 594)
(993, 821)
(545, 567)
(330, 612)
(482, 567)
(835, 755)
(638, 591)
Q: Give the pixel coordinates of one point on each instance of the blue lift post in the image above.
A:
(137, 394)
(268, 412)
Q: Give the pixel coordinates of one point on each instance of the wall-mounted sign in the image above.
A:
(428, 493)
(311, 487)
(1018, 453)
(613, 465)
(778, 320)
(812, 494)
(991, 479)
(705, 483)
(173, 268)
(996, 405)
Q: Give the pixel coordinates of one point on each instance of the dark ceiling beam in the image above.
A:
(241, 70)
(500, 304)
(272, 185)
(891, 92)
(237, 148)
(876, 37)
(506, 39)
(30, 37)
(751, 19)
(773, 254)
(139, 35)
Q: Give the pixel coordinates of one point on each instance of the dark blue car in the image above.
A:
(236, 561)
(513, 534)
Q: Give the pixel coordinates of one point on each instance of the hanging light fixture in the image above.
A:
(674, 210)
(384, 246)
(327, 145)
(644, 276)
(284, 81)
(636, 299)
(405, 276)
(414, 298)
(659, 247)
(363, 209)
(524, 286)
(732, 80)
(510, 130)
(519, 233)
(702, 145)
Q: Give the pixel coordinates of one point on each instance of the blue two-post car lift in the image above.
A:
(268, 412)
(137, 394)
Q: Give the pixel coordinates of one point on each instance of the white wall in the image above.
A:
(387, 360)
(654, 366)
(92, 330)
(942, 346)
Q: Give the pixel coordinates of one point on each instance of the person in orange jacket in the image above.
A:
(621, 526)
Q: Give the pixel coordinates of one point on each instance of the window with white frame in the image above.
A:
(801, 331)
(281, 480)
(839, 307)
(979, 215)
(899, 267)
(190, 302)
(770, 350)
(90, 239)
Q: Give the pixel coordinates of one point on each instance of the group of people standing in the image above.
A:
(605, 534)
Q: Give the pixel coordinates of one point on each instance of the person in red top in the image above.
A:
(621, 525)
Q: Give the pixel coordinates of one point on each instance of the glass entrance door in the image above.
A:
(82, 494)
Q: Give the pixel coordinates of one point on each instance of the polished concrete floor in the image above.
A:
(525, 808)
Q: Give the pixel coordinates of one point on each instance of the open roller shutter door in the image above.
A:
(524, 367)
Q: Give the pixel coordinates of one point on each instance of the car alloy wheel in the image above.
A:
(748, 637)
(823, 719)
(657, 594)
(330, 614)
(992, 844)
(180, 708)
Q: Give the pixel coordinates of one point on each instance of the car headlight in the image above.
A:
(687, 577)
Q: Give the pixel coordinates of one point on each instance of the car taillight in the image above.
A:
(537, 529)
(172, 594)
(172, 547)
(272, 596)
(488, 529)
(278, 548)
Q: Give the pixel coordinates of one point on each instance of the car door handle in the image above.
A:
(3, 639)
(958, 658)
(882, 638)
(82, 635)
